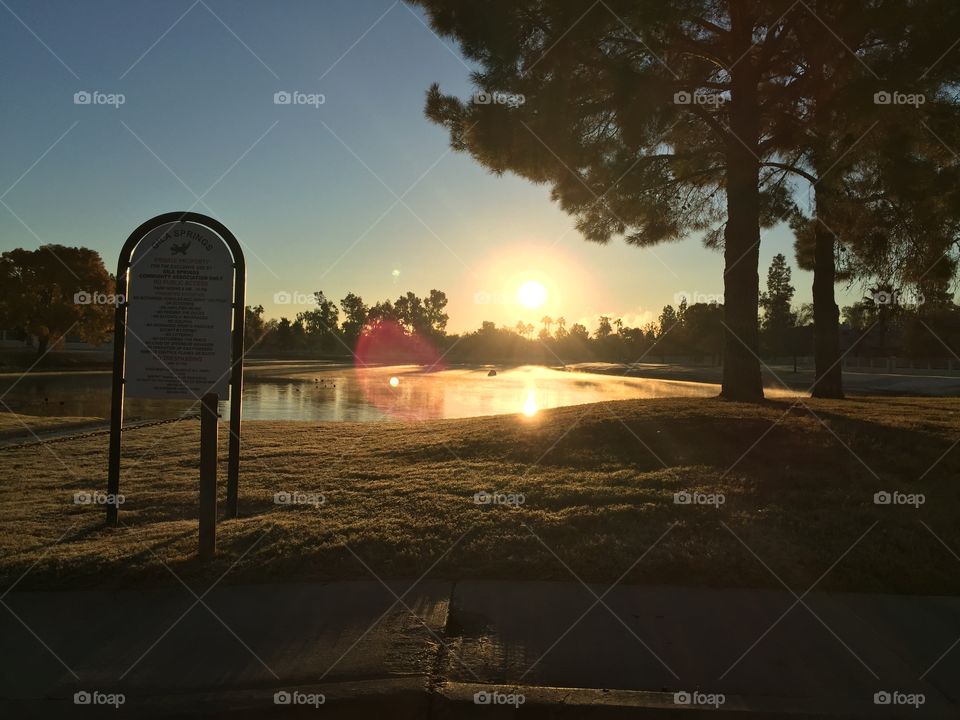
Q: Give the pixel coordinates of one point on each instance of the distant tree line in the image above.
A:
(883, 323)
(55, 291)
(322, 328)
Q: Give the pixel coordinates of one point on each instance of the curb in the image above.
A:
(411, 697)
(400, 698)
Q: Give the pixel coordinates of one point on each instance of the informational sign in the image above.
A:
(180, 290)
(178, 334)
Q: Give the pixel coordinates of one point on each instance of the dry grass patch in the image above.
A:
(598, 483)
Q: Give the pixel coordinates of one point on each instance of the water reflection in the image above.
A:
(311, 391)
(530, 404)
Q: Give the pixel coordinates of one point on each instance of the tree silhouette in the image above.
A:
(604, 328)
(354, 318)
(255, 328)
(561, 327)
(778, 316)
(380, 313)
(320, 324)
(644, 116)
(579, 332)
(667, 321)
(524, 329)
(55, 290)
(433, 308)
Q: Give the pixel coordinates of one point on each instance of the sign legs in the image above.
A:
(236, 395)
(116, 400)
(208, 476)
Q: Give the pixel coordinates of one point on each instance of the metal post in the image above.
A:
(116, 398)
(236, 385)
(208, 476)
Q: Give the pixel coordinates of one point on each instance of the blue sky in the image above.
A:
(310, 191)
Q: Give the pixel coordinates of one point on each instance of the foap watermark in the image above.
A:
(905, 298)
(97, 298)
(695, 697)
(285, 697)
(685, 497)
(95, 697)
(293, 297)
(696, 297)
(96, 497)
(498, 498)
(95, 97)
(914, 500)
(699, 97)
(297, 497)
(894, 97)
(482, 97)
(484, 297)
(297, 97)
(896, 697)
(495, 697)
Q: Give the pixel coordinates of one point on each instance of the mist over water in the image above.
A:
(305, 391)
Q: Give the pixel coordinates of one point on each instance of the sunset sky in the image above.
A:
(360, 193)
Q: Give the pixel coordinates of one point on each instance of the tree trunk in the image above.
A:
(826, 314)
(828, 373)
(42, 342)
(741, 254)
(741, 290)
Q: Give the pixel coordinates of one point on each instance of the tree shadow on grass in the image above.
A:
(896, 452)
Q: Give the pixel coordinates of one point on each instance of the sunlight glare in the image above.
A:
(530, 404)
(394, 381)
(532, 294)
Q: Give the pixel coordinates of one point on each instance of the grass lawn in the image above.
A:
(598, 484)
(21, 426)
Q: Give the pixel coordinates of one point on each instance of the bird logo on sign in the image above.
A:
(180, 249)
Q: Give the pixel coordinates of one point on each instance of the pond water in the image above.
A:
(315, 391)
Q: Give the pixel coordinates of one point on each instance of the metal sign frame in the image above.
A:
(119, 349)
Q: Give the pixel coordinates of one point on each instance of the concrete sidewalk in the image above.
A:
(427, 656)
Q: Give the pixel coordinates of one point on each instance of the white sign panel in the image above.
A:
(179, 294)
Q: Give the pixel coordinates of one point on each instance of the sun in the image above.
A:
(532, 294)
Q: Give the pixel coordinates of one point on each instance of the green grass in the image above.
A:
(598, 480)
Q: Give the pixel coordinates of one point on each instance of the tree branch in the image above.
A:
(792, 168)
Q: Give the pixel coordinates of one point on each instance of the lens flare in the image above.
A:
(389, 345)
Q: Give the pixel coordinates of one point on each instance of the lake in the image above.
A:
(284, 390)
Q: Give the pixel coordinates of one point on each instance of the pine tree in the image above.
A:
(778, 315)
(647, 119)
(853, 140)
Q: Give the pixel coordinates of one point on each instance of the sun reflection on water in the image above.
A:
(530, 406)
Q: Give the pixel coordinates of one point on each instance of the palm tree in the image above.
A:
(547, 322)
(524, 329)
(561, 327)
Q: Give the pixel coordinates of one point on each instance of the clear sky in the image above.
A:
(311, 191)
